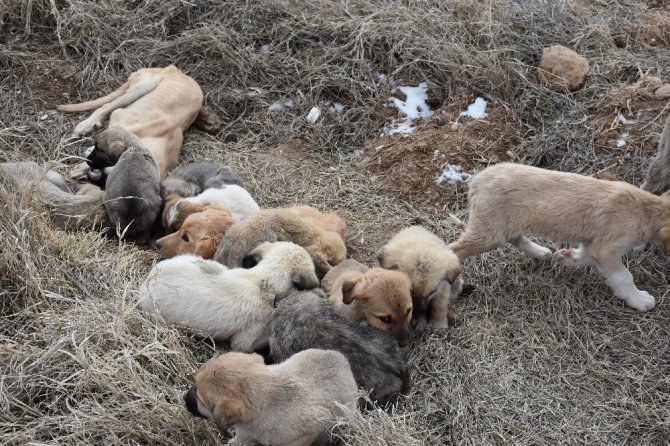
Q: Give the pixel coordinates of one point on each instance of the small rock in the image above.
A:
(562, 68)
(663, 92)
(43, 117)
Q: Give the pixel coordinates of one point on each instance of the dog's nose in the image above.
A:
(403, 341)
(155, 243)
(191, 403)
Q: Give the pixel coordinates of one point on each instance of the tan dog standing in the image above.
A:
(379, 296)
(325, 220)
(155, 104)
(608, 218)
(200, 233)
(433, 270)
(291, 403)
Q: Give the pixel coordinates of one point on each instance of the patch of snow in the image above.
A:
(622, 119)
(338, 107)
(476, 110)
(281, 105)
(453, 174)
(413, 107)
(622, 141)
(265, 49)
(313, 114)
(381, 77)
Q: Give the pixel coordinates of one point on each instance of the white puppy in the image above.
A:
(608, 218)
(206, 298)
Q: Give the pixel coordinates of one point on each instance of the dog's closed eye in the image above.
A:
(185, 237)
(386, 319)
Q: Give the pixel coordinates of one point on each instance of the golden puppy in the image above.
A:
(155, 104)
(200, 233)
(433, 270)
(608, 218)
(326, 248)
(328, 221)
(380, 296)
(291, 403)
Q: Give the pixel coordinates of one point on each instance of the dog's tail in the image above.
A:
(96, 103)
(459, 224)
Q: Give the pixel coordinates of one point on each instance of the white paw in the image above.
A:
(540, 252)
(565, 257)
(85, 128)
(641, 301)
(79, 171)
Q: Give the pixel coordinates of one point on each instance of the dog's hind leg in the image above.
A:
(135, 92)
(471, 244)
(621, 282)
(530, 248)
(574, 257)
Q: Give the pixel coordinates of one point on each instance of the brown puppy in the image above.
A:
(325, 220)
(326, 248)
(658, 176)
(200, 233)
(155, 104)
(433, 269)
(380, 296)
(291, 403)
(509, 201)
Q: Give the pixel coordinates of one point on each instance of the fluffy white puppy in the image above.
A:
(208, 299)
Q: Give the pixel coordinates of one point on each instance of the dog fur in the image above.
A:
(156, 104)
(608, 218)
(326, 248)
(206, 298)
(325, 220)
(306, 320)
(433, 269)
(67, 210)
(235, 198)
(379, 296)
(292, 403)
(658, 175)
(200, 234)
(191, 179)
(132, 195)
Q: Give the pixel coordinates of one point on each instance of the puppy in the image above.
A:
(191, 179)
(327, 221)
(292, 403)
(200, 234)
(608, 218)
(379, 296)
(433, 270)
(326, 248)
(306, 320)
(156, 104)
(132, 195)
(208, 299)
(232, 197)
(67, 210)
(658, 176)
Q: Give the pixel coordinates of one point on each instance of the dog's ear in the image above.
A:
(664, 236)
(255, 256)
(206, 247)
(305, 280)
(385, 261)
(452, 274)
(349, 288)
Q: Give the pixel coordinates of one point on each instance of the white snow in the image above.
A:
(453, 174)
(622, 141)
(281, 105)
(338, 107)
(265, 49)
(622, 119)
(413, 107)
(313, 114)
(476, 110)
(381, 77)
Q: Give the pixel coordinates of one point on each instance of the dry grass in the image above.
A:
(545, 355)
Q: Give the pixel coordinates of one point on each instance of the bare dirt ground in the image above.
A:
(544, 355)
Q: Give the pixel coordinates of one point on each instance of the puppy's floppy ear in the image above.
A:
(305, 280)
(664, 236)
(256, 255)
(452, 274)
(349, 288)
(206, 247)
(385, 261)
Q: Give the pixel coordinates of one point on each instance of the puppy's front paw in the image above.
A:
(79, 172)
(85, 128)
(541, 252)
(641, 301)
(564, 257)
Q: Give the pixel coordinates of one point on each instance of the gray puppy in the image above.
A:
(658, 176)
(132, 195)
(188, 180)
(306, 320)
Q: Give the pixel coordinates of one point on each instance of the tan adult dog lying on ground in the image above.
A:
(379, 296)
(325, 220)
(608, 218)
(291, 403)
(433, 269)
(155, 104)
(658, 176)
(326, 248)
(200, 233)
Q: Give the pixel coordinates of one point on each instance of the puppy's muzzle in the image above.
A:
(191, 402)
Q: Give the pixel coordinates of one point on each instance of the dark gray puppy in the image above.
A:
(306, 320)
(189, 180)
(658, 176)
(132, 195)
